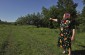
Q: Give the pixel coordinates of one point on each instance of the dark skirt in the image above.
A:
(64, 39)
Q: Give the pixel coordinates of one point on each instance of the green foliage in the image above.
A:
(83, 12)
(29, 19)
(83, 2)
(81, 20)
(81, 28)
(67, 6)
(52, 12)
(55, 11)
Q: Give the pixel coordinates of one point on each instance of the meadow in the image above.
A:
(30, 40)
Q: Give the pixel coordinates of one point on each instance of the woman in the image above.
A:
(67, 32)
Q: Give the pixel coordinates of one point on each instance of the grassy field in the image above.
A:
(29, 40)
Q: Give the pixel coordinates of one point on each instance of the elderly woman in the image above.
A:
(67, 32)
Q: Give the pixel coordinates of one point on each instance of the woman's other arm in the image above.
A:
(73, 34)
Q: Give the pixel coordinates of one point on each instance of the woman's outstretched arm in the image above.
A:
(56, 20)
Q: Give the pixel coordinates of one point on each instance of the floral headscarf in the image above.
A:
(66, 15)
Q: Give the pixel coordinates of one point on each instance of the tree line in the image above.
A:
(5, 22)
(41, 19)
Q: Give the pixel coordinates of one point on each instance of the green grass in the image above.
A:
(29, 40)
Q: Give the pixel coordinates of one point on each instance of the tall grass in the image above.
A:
(29, 40)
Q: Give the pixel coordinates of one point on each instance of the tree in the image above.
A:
(31, 19)
(46, 16)
(67, 6)
(82, 19)
(83, 2)
(52, 12)
(55, 11)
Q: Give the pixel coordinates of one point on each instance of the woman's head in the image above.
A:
(66, 15)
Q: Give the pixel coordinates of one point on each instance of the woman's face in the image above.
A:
(66, 15)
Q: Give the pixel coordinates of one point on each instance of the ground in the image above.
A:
(30, 40)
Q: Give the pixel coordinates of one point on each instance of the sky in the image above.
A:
(10, 10)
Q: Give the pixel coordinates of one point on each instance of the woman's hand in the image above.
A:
(50, 19)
